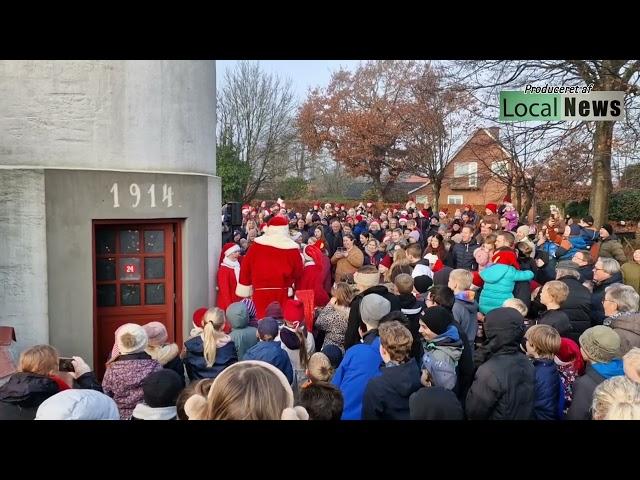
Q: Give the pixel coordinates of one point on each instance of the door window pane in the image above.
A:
(129, 294)
(129, 241)
(105, 242)
(106, 295)
(129, 268)
(154, 267)
(154, 293)
(154, 241)
(105, 269)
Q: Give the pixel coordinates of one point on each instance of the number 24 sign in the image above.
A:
(136, 194)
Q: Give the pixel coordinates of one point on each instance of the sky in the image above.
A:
(304, 74)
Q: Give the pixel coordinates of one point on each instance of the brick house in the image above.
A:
(468, 178)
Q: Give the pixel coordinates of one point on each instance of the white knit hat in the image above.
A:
(132, 338)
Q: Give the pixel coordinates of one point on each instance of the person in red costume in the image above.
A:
(313, 275)
(228, 274)
(271, 267)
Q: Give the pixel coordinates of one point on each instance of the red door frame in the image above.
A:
(177, 275)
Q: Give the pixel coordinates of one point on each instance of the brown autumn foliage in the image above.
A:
(384, 119)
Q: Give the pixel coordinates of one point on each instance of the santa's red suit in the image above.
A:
(228, 274)
(313, 276)
(271, 267)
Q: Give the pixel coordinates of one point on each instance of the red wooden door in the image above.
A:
(133, 281)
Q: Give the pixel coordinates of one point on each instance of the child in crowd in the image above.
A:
(543, 344)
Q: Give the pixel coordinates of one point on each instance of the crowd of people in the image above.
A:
(352, 313)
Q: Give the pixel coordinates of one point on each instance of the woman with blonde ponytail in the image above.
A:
(212, 351)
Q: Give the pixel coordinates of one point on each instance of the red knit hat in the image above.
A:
(491, 206)
(198, 317)
(570, 352)
(246, 209)
(506, 257)
(358, 218)
(278, 221)
(228, 249)
(507, 199)
(293, 311)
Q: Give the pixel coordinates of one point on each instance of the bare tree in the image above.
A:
(604, 75)
(257, 109)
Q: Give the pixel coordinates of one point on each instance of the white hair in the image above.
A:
(624, 296)
(609, 265)
(616, 390)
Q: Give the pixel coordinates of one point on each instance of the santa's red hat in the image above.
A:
(506, 257)
(198, 317)
(491, 206)
(316, 206)
(228, 249)
(403, 219)
(246, 209)
(506, 199)
(278, 223)
(358, 218)
(424, 213)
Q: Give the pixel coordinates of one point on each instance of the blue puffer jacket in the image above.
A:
(196, 365)
(499, 282)
(360, 364)
(589, 236)
(577, 243)
(547, 391)
(271, 352)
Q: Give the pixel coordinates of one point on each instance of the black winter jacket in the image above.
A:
(597, 309)
(503, 388)
(462, 255)
(352, 335)
(412, 309)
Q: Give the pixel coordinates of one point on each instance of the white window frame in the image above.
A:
(469, 170)
(451, 198)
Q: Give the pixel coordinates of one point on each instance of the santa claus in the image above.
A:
(228, 274)
(271, 267)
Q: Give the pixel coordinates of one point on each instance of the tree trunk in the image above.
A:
(601, 177)
(377, 186)
(436, 186)
(527, 206)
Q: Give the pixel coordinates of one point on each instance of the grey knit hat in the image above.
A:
(372, 308)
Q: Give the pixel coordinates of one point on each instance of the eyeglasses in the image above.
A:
(596, 269)
(607, 300)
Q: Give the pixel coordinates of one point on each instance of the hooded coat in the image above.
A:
(441, 357)
(21, 396)
(78, 404)
(242, 335)
(499, 282)
(503, 387)
(612, 248)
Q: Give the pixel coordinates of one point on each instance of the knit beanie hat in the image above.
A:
(422, 283)
(161, 388)
(132, 338)
(437, 319)
(601, 343)
(274, 310)
(372, 308)
(491, 206)
(268, 327)
(157, 333)
(334, 354)
(294, 311)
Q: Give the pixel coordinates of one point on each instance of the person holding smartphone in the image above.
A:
(347, 259)
(40, 375)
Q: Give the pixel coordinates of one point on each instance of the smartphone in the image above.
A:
(65, 365)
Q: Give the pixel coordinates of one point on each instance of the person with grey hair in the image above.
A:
(621, 309)
(606, 272)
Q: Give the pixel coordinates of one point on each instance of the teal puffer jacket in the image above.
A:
(499, 282)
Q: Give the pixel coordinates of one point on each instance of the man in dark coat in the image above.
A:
(503, 388)
(462, 253)
(605, 272)
(333, 235)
